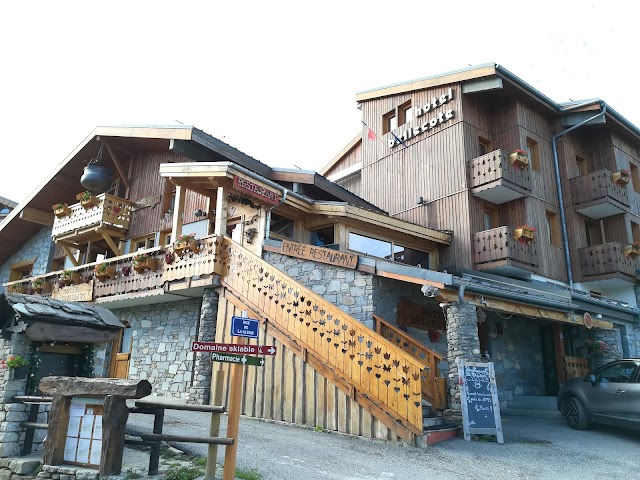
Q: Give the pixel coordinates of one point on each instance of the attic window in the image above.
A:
(21, 270)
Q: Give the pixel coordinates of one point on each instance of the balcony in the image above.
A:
(596, 195)
(132, 282)
(497, 251)
(493, 178)
(108, 219)
(607, 262)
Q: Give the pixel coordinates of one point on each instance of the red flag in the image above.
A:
(370, 134)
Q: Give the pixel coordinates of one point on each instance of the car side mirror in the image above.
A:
(592, 379)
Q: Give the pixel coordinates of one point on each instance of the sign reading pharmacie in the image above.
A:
(319, 254)
(83, 292)
(429, 115)
(255, 190)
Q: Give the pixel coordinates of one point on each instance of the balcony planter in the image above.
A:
(69, 278)
(632, 251)
(104, 272)
(518, 159)
(37, 285)
(144, 262)
(186, 243)
(524, 233)
(61, 210)
(87, 200)
(621, 177)
(21, 288)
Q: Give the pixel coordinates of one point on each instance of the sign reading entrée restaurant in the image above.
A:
(319, 254)
(256, 190)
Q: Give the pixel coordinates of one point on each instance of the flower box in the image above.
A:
(518, 159)
(141, 264)
(621, 178)
(181, 247)
(632, 251)
(61, 211)
(524, 233)
(87, 200)
(104, 272)
(70, 278)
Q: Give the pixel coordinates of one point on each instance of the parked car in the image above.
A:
(609, 395)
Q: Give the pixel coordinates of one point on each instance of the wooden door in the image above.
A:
(121, 355)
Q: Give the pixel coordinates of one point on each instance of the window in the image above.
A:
(280, 226)
(142, 243)
(169, 200)
(553, 228)
(58, 264)
(622, 372)
(234, 229)
(635, 231)
(21, 270)
(389, 121)
(323, 237)
(581, 163)
(533, 152)
(594, 232)
(405, 113)
(388, 250)
(489, 218)
(165, 237)
(484, 146)
(635, 177)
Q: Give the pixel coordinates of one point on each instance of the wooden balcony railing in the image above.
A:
(493, 178)
(606, 260)
(111, 212)
(597, 195)
(375, 368)
(498, 248)
(434, 387)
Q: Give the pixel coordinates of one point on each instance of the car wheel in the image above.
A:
(576, 414)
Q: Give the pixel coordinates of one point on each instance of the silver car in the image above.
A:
(610, 395)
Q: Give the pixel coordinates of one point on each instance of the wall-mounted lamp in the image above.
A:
(250, 233)
(598, 315)
(199, 213)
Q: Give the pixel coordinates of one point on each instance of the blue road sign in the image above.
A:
(244, 327)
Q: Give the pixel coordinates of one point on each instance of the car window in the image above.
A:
(619, 373)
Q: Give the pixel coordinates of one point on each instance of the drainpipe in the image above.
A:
(563, 221)
(267, 230)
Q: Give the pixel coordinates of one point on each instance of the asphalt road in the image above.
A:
(533, 449)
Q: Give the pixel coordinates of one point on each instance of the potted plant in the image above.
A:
(143, 261)
(517, 158)
(104, 272)
(632, 251)
(595, 348)
(17, 365)
(621, 177)
(524, 233)
(87, 200)
(38, 285)
(186, 242)
(61, 210)
(69, 277)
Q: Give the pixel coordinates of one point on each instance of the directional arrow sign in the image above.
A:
(233, 348)
(238, 359)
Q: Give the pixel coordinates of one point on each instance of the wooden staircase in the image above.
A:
(373, 372)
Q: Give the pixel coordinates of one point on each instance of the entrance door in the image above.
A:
(120, 364)
(549, 360)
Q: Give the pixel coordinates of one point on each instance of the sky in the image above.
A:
(277, 80)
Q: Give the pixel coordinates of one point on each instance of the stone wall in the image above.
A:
(611, 338)
(161, 345)
(39, 247)
(201, 389)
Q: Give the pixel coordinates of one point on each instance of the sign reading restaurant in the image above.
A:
(437, 118)
(255, 190)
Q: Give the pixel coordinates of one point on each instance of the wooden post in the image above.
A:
(57, 436)
(221, 213)
(114, 422)
(235, 399)
(214, 429)
(154, 456)
(178, 212)
(34, 409)
(558, 346)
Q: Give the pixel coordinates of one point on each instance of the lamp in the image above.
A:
(96, 177)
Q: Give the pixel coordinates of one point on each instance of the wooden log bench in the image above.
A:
(156, 438)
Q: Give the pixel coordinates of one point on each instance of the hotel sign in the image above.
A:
(436, 119)
(417, 316)
(83, 292)
(319, 254)
(255, 190)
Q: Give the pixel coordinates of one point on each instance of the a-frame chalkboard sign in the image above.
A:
(479, 398)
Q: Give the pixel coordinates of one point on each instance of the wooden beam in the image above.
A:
(111, 243)
(192, 187)
(407, 278)
(221, 213)
(117, 163)
(67, 250)
(34, 215)
(178, 212)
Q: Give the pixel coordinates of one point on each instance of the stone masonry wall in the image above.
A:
(39, 247)
(161, 345)
(611, 338)
(201, 389)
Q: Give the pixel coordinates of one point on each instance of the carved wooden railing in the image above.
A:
(495, 165)
(598, 186)
(375, 367)
(604, 259)
(499, 244)
(434, 387)
(111, 211)
(576, 367)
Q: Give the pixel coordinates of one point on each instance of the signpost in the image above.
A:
(233, 348)
(237, 359)
(244, 327)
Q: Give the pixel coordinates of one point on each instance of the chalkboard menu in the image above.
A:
(479, 397)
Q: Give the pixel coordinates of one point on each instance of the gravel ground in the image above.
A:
(533, 449)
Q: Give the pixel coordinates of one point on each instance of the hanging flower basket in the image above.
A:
(87, 200)
(144, 262)
(621, 177)
(524, 233)
(104, 272)
(517, 158)
(186, 243)
(61, 210)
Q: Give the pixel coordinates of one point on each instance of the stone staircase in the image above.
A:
(531, 406)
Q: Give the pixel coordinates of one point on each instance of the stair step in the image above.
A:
(428, 422)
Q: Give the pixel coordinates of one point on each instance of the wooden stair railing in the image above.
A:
(434, 387)
(375, 368)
